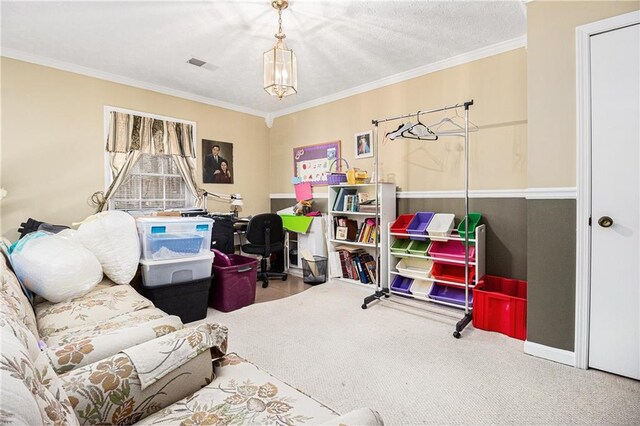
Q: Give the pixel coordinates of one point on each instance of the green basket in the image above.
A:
(419, 248)
(400, 246)
(474, 220)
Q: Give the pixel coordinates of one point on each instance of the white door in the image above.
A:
(614, 328)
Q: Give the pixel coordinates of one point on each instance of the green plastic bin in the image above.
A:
(419, 248)
(474, 220)
(400, 246)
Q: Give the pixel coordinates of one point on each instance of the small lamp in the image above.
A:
(234, 199)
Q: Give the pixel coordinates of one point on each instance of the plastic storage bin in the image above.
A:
(173, 271)
(400, 246)
(417, 228)
(453, 273)
(440, 226)
(474, 220)
(234, 282)
(501, 305)
(173, 237)
(414, 267)
(187, 300)
(419, 248)
(401, 284)
(314, 271)
(400, 225)
(448, 294)
(421, 289)
(451, 250)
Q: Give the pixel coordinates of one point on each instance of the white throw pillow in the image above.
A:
(54, 267)
(113, 237)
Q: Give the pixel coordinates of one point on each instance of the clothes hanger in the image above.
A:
(398, 132)
(457, 130)
(419, 131)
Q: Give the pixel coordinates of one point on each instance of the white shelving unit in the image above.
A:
(478, 262)
(386, 199)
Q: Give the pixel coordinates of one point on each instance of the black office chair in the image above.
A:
(265, 235)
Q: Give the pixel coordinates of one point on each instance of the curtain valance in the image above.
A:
(130, 132)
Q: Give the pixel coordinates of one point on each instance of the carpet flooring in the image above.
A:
(404, 362)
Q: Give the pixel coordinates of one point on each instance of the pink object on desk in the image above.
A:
(303, 191)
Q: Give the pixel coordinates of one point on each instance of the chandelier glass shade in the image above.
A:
(280, 67)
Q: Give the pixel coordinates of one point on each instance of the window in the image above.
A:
(153, 183)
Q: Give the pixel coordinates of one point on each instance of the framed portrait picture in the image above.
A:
(364, 144)
(217, 162)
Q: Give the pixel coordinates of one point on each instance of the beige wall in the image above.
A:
(552, 85)
(498, 152)
(53, 146)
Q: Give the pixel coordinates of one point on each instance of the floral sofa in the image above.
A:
(111, 357)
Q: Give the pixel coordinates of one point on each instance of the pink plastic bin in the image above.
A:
(451, 250)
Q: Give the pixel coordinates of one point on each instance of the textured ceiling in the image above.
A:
(339, 44)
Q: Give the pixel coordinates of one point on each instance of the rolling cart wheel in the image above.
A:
(364, 306)
(386, 296)
(456, 334)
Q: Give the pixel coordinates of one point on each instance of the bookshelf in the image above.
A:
(360, 232)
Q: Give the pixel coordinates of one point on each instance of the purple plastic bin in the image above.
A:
(450, 250)
(401, 284)
(234, 281)
(417, 228)
(449, 294)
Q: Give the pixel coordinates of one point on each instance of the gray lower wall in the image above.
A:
(551, 272)
(531, 240)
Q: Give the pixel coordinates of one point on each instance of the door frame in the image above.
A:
(583, 175)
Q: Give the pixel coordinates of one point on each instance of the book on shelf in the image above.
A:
(339, 204)
(356, 264)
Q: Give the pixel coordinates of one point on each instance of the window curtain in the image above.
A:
(131, 135)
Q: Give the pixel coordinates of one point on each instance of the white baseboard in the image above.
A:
(552, 354)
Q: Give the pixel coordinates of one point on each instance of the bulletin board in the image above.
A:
(311, 163)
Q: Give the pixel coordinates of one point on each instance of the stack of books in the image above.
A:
(357, 264)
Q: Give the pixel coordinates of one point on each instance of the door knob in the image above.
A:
(605, 221)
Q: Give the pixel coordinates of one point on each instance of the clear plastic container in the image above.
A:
(174, 237)
(173, 271)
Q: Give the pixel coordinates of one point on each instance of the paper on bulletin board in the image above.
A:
(303, 191)
(313, 163)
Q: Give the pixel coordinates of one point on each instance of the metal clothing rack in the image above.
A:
(383, 292)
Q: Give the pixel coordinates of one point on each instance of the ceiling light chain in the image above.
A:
(280, 66)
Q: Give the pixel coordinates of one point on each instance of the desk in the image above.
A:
(314, 240)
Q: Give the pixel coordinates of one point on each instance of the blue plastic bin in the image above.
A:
(417, 228)
(401, 284)
(450, 294)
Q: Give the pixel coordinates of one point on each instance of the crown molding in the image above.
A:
(484, 52)
(464, 58)
(91, 72)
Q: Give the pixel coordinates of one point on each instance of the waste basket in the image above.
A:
(314, 271)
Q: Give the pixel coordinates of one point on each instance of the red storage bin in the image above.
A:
(400, 225)
(234, 282)
(451, 272)
(500, 304)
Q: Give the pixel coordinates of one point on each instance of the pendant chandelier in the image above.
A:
(280, 68)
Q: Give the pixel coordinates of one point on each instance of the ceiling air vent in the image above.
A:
(196, 62)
